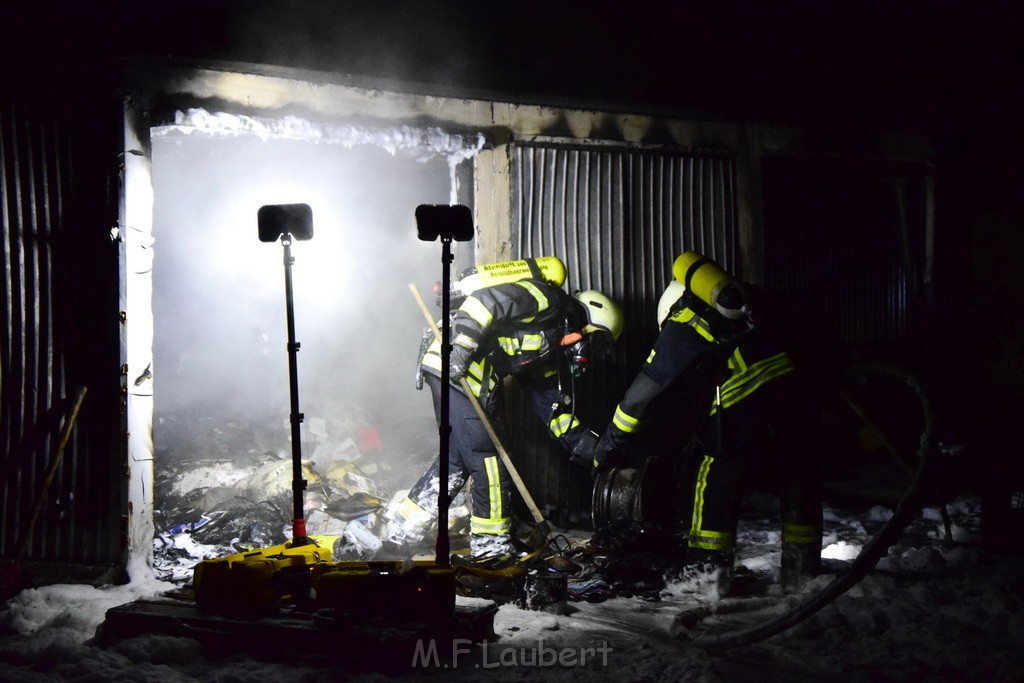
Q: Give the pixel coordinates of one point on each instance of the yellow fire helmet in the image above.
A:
(602, 312)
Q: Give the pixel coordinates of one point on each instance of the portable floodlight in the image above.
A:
(276, 220)
(287, 222)
(449, 222)
(454, 222)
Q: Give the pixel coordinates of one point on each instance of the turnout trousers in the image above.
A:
(472, 457)
(775, 423)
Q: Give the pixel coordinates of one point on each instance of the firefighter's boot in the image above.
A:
(801, 562)
(708, 571)
(491, 548)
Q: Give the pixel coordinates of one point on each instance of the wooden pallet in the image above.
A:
(294, 631)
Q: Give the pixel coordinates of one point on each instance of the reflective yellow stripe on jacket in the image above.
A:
(512, 346)
(562, 423)
(542, 300)
(688, 316)
(474, 374)
(625, 422)
(745, 380)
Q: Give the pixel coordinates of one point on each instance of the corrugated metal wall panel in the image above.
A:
(850, 241)
(31, 156)
(865, 298)
(46, 340)
(617, 217)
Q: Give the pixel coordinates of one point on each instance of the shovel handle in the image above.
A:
(65, 435)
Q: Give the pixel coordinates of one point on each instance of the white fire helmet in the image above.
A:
(602, 312)
(668, 299)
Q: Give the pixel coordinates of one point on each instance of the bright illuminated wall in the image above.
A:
(220, 355)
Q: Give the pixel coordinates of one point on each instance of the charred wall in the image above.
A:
(58, 199)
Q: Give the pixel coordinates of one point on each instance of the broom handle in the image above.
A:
(534, 510)
(65, 435)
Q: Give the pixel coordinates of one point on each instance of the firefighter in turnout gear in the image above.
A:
(534, 331)
(714, 340)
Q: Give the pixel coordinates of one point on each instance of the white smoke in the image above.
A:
(220, 351)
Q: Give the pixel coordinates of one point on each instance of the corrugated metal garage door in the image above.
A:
(851, 241)
(59, 331)
(617, 216)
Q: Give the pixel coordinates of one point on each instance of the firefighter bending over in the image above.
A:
(707, 321)
(534, 331)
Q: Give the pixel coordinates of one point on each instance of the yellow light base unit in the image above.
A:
(418, 591)
(257, 582)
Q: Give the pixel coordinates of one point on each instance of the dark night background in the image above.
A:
(950, 70)
(940, 67)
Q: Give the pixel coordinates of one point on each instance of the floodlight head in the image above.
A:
(285, 219)
(449, 222)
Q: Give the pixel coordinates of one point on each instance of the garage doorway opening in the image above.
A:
(221, 429)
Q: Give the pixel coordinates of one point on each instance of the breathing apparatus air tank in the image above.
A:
(548, 268)
(706, 280)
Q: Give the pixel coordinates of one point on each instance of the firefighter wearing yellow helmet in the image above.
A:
(747, 386)
(534, 331)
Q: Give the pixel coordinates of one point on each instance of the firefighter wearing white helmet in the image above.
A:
(602, 312)
(744, 382)
(531, 330)
(669, 299)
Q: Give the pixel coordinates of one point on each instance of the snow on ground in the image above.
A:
(931, 610)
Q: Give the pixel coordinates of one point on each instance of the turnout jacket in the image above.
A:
(515, 329)
(741, 363)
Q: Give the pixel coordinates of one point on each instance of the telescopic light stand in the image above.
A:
(298, 483)
(443, 546)
(287, 222)
(256, 583)
(446, 222)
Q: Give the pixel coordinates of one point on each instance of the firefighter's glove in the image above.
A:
(607, 454)
(458, 362)
(583, 452)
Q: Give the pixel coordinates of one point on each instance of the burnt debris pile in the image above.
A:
(224, 486)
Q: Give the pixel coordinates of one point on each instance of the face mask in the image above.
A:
(581, 351)
(579, 359)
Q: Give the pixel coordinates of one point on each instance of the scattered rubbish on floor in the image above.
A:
(223, 488)
(226, 489)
